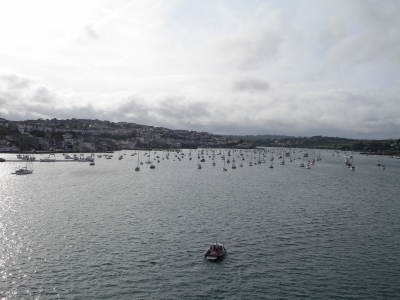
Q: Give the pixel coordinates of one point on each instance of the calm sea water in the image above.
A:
(74, 231)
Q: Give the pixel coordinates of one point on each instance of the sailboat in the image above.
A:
(92, 161)
(251, 159)
(141, 163)
(137, 168)
(383, 167)
(198, 164)
(224, 169)
(352, 167)
(148, 161)
(24, 170)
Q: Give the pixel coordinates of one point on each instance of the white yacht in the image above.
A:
(47, 159)
(24, 170)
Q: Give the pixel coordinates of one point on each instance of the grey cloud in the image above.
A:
(13, 81)
(133, 106)
(86, 112)
(363, 32)
(90, 32)
(179, 109)
(258, 42)
(348, 113)
(171, 112)
(251, 85)
(251, 51)
(43, 95)
(86, 35)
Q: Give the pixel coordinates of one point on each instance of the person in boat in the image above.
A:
(213, 250)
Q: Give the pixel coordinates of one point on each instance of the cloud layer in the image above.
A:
(308, 68)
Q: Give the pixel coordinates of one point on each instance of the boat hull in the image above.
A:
(209, 256)
(23, 172)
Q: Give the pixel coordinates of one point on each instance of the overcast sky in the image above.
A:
(304, 68)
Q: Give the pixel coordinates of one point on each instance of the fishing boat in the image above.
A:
(215, 252)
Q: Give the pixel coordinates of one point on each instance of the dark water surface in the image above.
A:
(75, 231)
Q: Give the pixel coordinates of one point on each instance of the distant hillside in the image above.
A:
(321, 142)
(258, 137)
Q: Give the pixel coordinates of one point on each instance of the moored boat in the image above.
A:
(215, 252)
(47, 159)
(23, 171)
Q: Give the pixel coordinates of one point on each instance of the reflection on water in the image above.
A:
(71, 230)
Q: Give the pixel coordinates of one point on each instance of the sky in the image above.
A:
(298, 68)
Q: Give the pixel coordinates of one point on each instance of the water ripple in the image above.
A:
(72, 231)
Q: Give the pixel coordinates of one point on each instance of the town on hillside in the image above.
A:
(85, 135)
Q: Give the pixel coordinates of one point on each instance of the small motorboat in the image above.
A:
(216, 251)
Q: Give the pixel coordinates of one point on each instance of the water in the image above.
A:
(74, 231)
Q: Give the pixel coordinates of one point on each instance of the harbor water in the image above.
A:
(74, 231)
